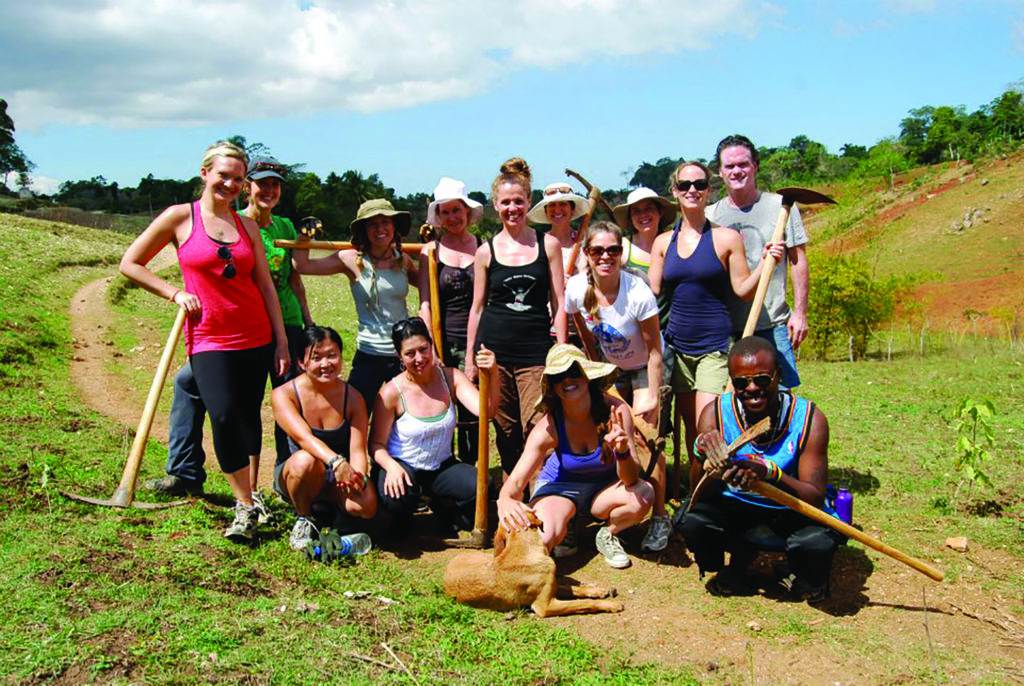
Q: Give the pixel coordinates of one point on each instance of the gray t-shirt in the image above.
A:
(756, 224)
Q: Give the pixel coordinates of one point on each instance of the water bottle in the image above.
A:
(844, 505)
(355, 544)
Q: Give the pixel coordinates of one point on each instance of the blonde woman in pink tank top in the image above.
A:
(234, 331)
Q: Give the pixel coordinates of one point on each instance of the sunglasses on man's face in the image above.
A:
(224, 253)
(683, 185)
(762, 381)
(597, 251)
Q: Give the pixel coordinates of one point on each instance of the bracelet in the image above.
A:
(174, 294)
(696, 451)
(335, 460)
(773, 472)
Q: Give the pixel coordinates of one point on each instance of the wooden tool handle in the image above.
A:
(125, 492)
(767, 269)
(783, 498)
(483, 454)
(435, 303)
(408, 248)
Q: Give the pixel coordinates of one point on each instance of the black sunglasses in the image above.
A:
(224, 253)
(596, 251)
(762, 381)
(684, 185)
(573, 372)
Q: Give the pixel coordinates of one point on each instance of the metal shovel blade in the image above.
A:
(804, 196)
(118, 502)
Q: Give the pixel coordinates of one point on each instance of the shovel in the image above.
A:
(790, 196)
(124, 496)
(478, 537)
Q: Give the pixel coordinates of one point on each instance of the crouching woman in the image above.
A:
(326, 421)
(582, 452)
(413, 427)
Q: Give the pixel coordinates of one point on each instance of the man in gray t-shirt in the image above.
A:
(754, 214)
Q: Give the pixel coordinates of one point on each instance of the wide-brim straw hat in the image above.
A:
(667, 208)
(374, 208)
(563, 356)
(453, 189)
(557, 192)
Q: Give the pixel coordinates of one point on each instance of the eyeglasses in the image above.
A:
(762, 381)
(596, 251)
(224, 253)
(557, 189)
(683, 185)
(572, 372)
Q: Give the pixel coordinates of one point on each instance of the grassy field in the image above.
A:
(99, 595)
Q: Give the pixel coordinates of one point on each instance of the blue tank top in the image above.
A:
(784, 450)
(565, 465)
(698, 320)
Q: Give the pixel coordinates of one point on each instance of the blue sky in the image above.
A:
(415, 91)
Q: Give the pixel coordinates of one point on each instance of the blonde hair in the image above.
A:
(514, 170)
(590, 298)
(683, 164)
(224, 149)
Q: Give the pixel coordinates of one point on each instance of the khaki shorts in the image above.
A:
(708, 373)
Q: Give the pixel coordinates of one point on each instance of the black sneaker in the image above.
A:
(800, 590)
(174, 485)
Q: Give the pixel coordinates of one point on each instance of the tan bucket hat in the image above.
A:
(562, 356)
(378, 207)
(667, 208)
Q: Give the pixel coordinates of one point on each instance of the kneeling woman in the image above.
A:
(325, 464)
(413, 427)
(583, 450)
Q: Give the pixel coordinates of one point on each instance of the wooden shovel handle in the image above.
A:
(435, 302)
(483, 454)
(408, 248)
(766, 270)
(793, 503)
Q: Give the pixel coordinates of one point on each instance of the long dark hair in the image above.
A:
(600, 410)
(405, 329)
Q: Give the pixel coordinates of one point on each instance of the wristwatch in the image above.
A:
(334, 462)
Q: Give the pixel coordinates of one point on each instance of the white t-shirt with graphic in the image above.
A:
(618, 331)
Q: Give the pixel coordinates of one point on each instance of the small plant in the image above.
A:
(972, 420)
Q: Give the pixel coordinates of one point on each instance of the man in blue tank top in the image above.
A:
(792, 455)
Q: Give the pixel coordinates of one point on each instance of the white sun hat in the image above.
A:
(453, 189)
(667, 208)
(557, 192)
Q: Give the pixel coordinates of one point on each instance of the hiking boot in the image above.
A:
(729, 582)
(173, 485)
(568, 547)
(243, 527)
(656, 538)
(263, 513)
(609, 545)
(302, 534)
(800, 590)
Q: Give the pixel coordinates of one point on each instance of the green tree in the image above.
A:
(12, 159)
(654, 176)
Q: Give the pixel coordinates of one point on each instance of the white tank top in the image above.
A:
(423, 442)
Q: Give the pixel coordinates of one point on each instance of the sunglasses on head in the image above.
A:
(597, 251)
(224, 253)
(683, 185)
(762, 381)
(558, 189)
(264, 166)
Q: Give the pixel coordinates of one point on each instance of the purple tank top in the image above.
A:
(565, 465)
(698, 321)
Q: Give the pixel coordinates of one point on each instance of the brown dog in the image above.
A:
(520, 573)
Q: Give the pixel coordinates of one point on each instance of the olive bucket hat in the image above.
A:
(374, 208)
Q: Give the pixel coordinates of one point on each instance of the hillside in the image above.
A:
(957, 230)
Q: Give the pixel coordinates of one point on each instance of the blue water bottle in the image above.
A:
(355, 544)
(844, 505)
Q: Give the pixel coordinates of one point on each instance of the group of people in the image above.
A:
(658, 309)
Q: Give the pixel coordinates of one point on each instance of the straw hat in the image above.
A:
(374, 208)
(557, 192)
(667, 208)
(562, 356)
(453, 189)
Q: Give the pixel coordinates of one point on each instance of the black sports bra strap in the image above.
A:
(298, 398)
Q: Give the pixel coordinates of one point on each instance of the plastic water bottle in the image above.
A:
(844, 505)
(356, 544)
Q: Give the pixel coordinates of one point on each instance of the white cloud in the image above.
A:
(138, 63)
(40, 184)
(1017, 35)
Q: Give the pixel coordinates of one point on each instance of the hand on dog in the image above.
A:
(512, 514)
(712, 447)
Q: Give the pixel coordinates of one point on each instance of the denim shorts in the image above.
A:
(581, 493)
(779, 337)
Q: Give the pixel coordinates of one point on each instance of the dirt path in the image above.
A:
(109, 393)
(884, 623)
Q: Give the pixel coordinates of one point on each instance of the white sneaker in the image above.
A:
(656, 538)
(609, 545)
(302, 534)
(263, 513)
(243, 527)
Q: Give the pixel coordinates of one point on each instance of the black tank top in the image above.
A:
(455, 290)
(337, 439)
(516, 319)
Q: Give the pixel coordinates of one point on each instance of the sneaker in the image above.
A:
(656, 538)
(174, 485)
(608, 545)
(243, 528)
(263, 513)
(302, 534)
(568, 547)
(800, 590)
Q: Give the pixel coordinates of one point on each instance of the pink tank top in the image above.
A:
(233, 314)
